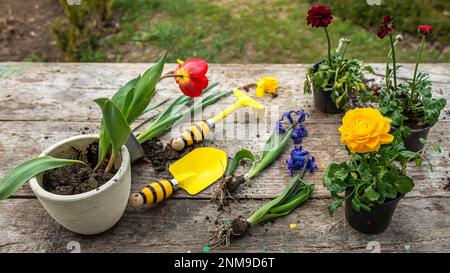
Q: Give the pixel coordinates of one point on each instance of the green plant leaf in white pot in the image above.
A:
(82, 189)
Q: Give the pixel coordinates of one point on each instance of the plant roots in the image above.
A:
(227, 187)
(222, 236)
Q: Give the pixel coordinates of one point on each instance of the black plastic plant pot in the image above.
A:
(373, 222)
(322, 99)
(324, 103)
(412, 143)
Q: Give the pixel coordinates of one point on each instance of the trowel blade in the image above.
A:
(134, 148)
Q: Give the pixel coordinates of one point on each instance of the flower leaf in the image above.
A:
(270, 155)
(122, 99)
(176, 111)
(404, 184)
(281, 205)
(334, 206)
(115, 124)
(242, 154)
(18, 176)
(144, 90)
(371, 194)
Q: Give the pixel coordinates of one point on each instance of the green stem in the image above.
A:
(340, 62)
(343, 54)
(413, 88)
(99, 163)
(394, 64)
(329, 46)
(388, 83)
(170, 75)
(111, 162)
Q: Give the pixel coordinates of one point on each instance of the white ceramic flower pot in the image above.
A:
(91, 212)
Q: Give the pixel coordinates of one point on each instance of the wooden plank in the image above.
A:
(43, 103)
(418, 225)
(23, 140)
(44, 91)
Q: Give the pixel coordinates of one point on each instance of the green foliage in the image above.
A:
(242, 154)
(241, 31)
(144, 90)
(272, 150)
(116, 127)
(132, 100)
(343, 79)
(294, 195)
(18, 176)
(77, 34)
(404, 110)
(35, 58)
(371, 178)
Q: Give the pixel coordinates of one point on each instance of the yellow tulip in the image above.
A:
(266, 85)
(364, 130)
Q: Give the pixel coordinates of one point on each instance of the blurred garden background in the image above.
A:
(220, 31)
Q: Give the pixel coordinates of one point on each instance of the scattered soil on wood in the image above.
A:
(446, 187)
(77, 178)
(25, 29)
(160, 155)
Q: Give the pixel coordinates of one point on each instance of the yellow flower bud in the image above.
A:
(362, 86)
(266, 85)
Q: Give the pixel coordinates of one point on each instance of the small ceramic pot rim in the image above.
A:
(42, 193)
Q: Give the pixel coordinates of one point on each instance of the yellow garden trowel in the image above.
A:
(193, 172)
(197, 132)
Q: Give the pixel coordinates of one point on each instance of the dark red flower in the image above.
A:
(191, 76)
(425, 30)
(387, 26)
(319, 16)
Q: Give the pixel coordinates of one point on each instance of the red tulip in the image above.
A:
(425, 30)
(319, 16)
(191, 76)
(387, 26)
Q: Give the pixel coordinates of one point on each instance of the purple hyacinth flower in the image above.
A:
(280, 127)
(302, 115)
(299, 133)
(287, 115)
(298, 160)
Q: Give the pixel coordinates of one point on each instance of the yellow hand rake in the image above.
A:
(197, 131)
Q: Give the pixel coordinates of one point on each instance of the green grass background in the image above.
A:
(258, 31)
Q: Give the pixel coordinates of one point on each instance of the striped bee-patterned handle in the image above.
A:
(194, 134)
(153, 193)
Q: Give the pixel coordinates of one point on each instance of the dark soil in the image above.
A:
(240, 226)
(232, 183)
(25, 29)
(447, 185)
(77, 178)
(160, 155)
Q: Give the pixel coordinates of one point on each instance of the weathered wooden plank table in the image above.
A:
(41, 104)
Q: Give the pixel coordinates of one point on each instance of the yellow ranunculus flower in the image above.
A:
(266, 85)
(364, 130)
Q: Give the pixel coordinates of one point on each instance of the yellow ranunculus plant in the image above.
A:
(370, 177)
